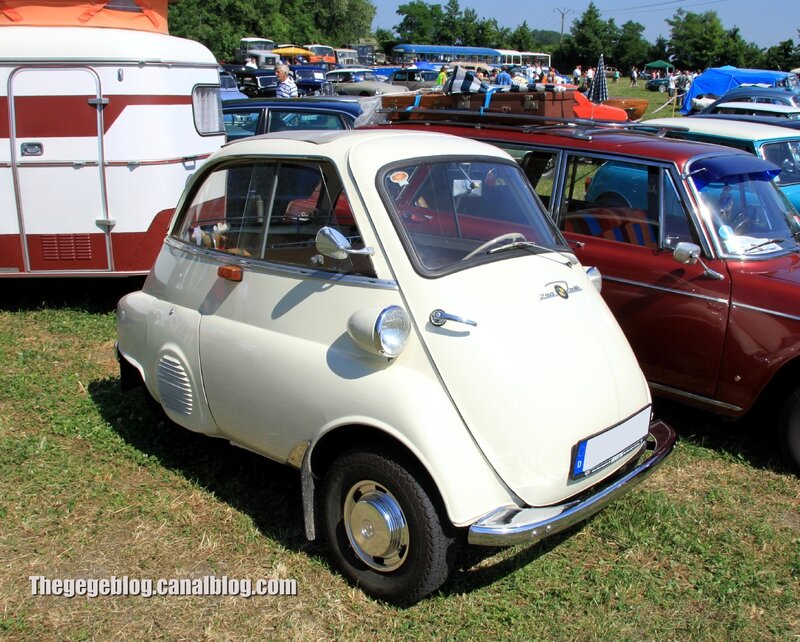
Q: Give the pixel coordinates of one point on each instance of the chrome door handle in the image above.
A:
(439, 317)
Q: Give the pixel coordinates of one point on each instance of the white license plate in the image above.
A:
(594, 453)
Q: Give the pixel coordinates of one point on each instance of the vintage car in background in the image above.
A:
(698, 249)
(310, 79)
(778, 145)
(358, 81)
(393, 314)
(258, 83)
(789, 112)
(255, 116)
(414, 79)
(228, 88)
(752, 94)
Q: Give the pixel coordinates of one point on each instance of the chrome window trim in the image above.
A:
(267, 267)
(650, 286)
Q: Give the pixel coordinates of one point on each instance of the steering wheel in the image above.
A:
(738, 221)
(510, 236)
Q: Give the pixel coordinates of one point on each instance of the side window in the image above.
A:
(285, 120)
(677, 226)
(240, 124)
(612, 200)
(273, 211)
(538, 165)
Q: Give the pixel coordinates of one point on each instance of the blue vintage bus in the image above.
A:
(409, 53)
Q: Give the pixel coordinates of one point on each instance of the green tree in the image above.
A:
(591, 36)
(783, 56)
(735, 51)
(522, 38)
(696, 40)
(420, 23)
(631, 49)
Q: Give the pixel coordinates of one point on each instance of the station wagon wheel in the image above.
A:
(383, 528)
(789, 430)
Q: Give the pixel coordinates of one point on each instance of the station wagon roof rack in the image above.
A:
(574, 127)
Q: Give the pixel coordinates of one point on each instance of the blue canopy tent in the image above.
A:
(719, 80)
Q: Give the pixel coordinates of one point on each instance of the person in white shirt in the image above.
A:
(286, 86)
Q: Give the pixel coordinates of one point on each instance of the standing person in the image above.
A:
(251, 63)
(634, 76)
(589, 78)
(442, 77)
(503, 78)
(616, 75)
(576, 76)
(671, 84)
(286, 86)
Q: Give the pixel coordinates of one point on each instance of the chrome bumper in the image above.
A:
(511, 525)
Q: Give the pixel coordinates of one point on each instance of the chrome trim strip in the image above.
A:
(649, 286)
(257, 265)
(774, 313)
(689, 395)
(509, 525)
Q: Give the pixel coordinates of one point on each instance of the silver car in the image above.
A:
(360, 81)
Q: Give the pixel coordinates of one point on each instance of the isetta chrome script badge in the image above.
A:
(561, 289)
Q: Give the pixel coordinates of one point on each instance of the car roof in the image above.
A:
(740, 130)
(765, 119)
(308, 103)
(758, 90)
(763, 107)
(600, 137)
(394, 145)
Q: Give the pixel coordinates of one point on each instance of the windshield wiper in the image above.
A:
(514, 245)
(762, 244)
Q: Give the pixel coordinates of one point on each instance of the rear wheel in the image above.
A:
(383, 528)
(662, 88)
(789, 430)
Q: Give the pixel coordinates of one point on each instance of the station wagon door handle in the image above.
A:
(440, 317)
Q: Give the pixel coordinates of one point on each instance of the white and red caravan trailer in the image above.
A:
(100, 128)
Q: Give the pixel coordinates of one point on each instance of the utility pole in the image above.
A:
(563, 13)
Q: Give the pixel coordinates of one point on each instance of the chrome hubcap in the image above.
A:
(375, 526)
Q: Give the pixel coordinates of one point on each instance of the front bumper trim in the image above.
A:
(510, 525)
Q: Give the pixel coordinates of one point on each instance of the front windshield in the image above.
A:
(786, 156)
(454, 211)
(748, 214)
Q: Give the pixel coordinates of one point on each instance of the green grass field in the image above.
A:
(92, 485)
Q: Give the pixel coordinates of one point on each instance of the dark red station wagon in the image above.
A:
(698, 252)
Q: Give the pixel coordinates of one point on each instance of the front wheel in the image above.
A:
(789, 430)
(383, 528)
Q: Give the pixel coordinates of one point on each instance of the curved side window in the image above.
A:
(272, 211)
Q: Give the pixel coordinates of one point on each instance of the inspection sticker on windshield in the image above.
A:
(590, 455)
(401, 178)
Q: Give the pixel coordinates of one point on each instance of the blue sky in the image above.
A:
(764, 22)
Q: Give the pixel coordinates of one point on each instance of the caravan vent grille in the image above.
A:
(66, 247)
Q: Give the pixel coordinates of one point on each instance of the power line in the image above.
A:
(563, 13)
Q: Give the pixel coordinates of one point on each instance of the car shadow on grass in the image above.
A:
(266, 491)
(750, 440)
(86, 293)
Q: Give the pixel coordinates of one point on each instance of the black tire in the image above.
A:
(789, 430)
(364, 486)
(662, 88)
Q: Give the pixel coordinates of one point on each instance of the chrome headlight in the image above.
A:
(381, 331)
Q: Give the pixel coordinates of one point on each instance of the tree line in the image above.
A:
(696, 40)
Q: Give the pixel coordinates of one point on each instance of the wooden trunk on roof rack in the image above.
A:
(552, 104)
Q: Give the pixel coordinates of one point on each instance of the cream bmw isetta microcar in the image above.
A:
(393, 314)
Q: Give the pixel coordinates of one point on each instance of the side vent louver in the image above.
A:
(174, 387)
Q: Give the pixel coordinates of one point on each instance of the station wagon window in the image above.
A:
(613, 200)
(280, 120)
(240, 124)
(273, 211)
(450, 212)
